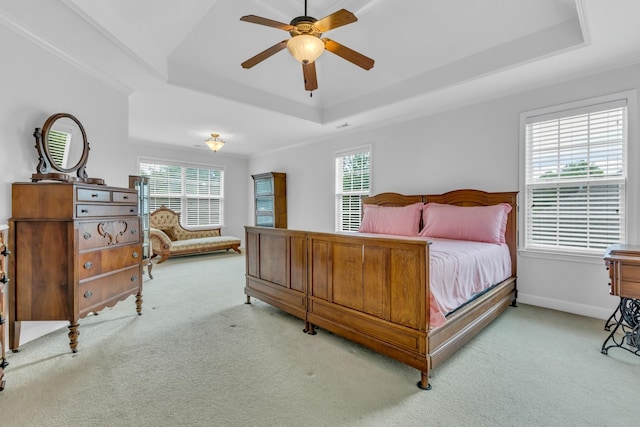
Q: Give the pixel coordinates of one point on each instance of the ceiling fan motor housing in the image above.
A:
(304, 25)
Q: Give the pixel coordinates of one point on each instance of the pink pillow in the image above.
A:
(477, 223)
(402, 220)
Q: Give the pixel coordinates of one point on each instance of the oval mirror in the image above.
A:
(63, 147)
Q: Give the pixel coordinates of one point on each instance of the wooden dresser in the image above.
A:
(76, 249)
(4, 279)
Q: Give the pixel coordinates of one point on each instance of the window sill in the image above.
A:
(561, 256)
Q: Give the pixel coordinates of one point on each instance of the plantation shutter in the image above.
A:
(352, 184)
(575, 176)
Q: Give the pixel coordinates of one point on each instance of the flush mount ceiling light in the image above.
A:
(215, 143)
(305, 44)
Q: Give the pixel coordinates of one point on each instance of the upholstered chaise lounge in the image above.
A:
(169, 238)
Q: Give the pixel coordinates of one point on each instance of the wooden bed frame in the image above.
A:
(372, 289)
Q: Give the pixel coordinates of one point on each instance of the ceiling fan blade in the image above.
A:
(268, 22)
(310, 79)
(264, 54)
(350, 55)
(335, 20)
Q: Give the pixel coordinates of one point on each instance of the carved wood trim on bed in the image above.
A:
(373, 289)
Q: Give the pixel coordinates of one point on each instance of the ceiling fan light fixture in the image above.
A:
(305, 48)
(214, 142)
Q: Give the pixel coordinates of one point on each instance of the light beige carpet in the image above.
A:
(198, 356)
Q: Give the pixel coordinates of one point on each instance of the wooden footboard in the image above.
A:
(276, 268)
(371, 289)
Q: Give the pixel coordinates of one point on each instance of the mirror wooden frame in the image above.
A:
(47, 168)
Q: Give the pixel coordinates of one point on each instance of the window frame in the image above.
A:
(629, 201)
(337, 195)
(184, 198)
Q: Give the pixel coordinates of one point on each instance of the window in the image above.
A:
(58, 143)
(194, 191)
(575, 177)
(353, 182)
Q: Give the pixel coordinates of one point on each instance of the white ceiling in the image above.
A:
(179, 61)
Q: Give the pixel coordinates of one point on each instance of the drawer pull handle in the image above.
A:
(86, 235)
(84, 210)
(5, 251)
(134, 278)
(88, 294)
(4, 279)
(134, 231)
(126, 197)
(135, 254)
(94, 194)
(88, 265)
(132, 210)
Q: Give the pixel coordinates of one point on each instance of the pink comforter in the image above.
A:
(460, 269)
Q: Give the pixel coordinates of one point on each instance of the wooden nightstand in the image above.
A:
(623, 263)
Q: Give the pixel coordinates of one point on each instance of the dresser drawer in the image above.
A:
(123, 197)
(94, 263)
(85, 210)
(92, 195)
(99, 234)
(105, 290)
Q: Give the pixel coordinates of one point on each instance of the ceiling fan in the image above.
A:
(305, 43)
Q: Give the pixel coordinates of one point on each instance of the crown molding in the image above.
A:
(25, 32)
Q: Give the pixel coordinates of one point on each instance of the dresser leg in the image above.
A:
(73, 336)
(14, 335)
(139, 303)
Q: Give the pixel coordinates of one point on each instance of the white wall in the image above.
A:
(34, 84)
(472, 147)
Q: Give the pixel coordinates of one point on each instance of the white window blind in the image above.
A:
(575, 176)
(58, 143)
(194, 191)
(353, 181)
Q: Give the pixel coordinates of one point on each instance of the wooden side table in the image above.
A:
(623, 263)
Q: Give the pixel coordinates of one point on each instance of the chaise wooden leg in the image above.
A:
(423, 384)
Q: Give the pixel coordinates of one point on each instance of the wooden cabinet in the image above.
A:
(270, 199)
(4, 279)
(76, 249)
(141, 185)
(623, 263)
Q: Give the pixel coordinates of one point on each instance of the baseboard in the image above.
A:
(569, 307)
